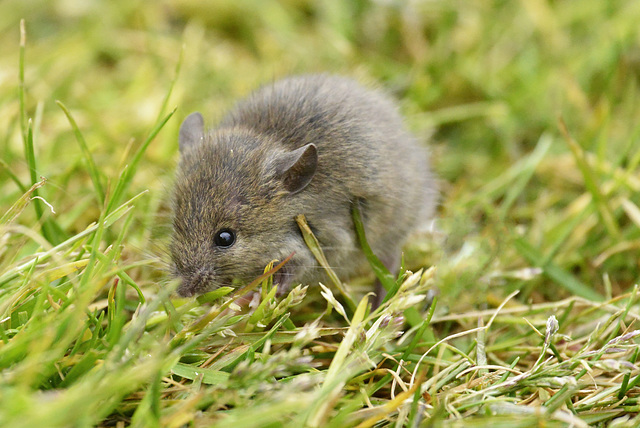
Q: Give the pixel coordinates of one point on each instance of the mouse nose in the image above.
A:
(196, 283)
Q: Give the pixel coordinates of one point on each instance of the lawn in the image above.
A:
(518, 309)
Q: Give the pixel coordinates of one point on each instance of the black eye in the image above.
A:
(224, 238)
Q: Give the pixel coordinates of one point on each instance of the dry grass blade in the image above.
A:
(314, 246)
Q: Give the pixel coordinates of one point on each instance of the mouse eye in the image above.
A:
(224, 238)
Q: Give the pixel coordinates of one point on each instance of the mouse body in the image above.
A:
(312, 145)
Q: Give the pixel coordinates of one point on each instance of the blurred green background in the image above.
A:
(482, 82)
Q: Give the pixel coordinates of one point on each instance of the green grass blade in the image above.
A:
(91, 165)
(127, 175)
(554, 272)
(21, 203)
(108, 221)
(176, 74)
(21, 84)
(13, 177)
(30, 157)
(314, 246)
(591, 184)
(210, 377)
(335, 376)
(50, 229)
(525, 172)
(385, 277)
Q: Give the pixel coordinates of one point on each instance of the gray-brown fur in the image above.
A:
(309, 145)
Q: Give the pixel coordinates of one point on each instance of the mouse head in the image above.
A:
(235, 199)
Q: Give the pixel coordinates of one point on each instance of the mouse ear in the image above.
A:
(191, 131)
(296, 168)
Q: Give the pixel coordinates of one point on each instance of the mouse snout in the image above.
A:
(198, 282)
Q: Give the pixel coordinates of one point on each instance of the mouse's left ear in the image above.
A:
(297, 168)
(191, 131)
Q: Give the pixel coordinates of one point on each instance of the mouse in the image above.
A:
(310, 144)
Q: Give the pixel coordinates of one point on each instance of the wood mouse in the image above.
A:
(312, 145)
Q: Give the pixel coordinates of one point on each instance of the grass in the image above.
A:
(523, 307)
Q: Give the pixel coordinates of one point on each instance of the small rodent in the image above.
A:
(311, 145)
